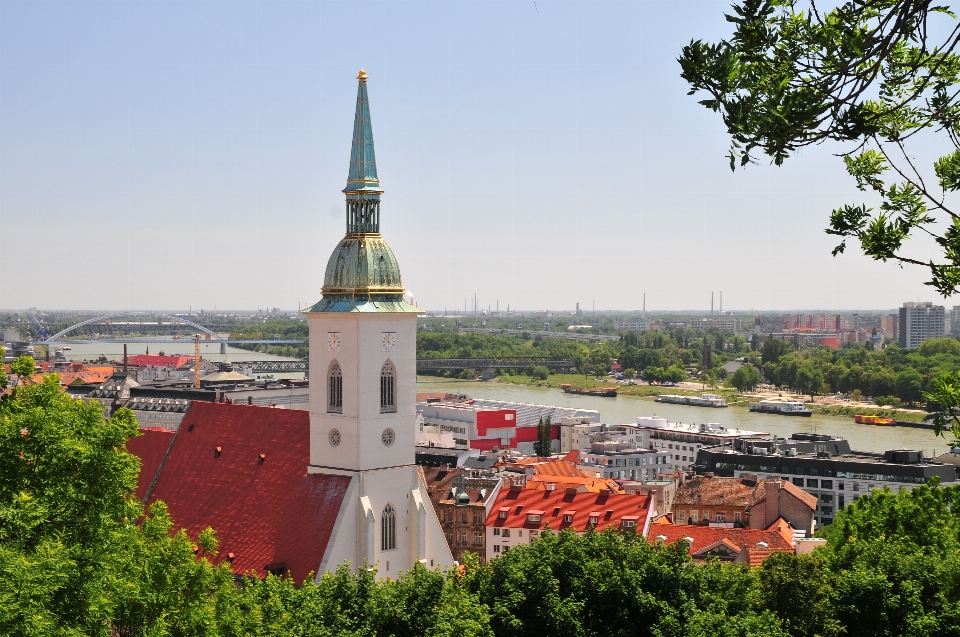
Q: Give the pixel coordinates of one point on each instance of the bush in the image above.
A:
(538, 371)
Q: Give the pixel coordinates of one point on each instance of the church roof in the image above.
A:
(243, 471)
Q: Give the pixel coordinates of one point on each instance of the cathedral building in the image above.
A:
(296, 492)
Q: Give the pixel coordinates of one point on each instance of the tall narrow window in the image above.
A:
(335, 392)
(388, 529)
(388, 391)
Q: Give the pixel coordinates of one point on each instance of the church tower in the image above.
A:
(363, 383)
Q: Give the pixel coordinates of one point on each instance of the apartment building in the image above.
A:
(920, 322)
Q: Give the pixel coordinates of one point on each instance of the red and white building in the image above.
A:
(519, 516)
(485, 424)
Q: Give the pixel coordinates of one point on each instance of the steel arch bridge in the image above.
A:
(97, 319)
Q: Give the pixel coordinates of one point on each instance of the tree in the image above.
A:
(909, 386)
(745, 378)
(74, 559)
(653, 374)
(869, 73)
(543, 447)
(629, 373)
(774, 349)
(809, 379)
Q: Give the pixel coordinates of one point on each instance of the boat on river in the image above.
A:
(782, 407)
(873, 420)
(606, 392)
(703, 400)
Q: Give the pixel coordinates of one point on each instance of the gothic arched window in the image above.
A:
(388, 529)
(388, 388)
(335, 389)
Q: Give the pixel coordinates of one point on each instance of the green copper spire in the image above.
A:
(363, 188)
(362, 274)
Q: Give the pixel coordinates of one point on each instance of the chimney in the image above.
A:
(551, 486)
(771, 504)
(124, 357)
(249, 400)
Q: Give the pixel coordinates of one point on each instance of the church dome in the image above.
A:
(362, 264)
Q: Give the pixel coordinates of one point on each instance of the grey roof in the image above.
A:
(529, 415)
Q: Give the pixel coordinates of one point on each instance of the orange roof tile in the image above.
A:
(707, 536)
(556, 505)
(807, 498)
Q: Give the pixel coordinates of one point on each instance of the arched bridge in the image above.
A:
(105, 317)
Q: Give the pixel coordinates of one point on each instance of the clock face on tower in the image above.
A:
(333, 341)
(388, 341)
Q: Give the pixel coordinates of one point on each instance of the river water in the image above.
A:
(625, 409)
(622, 409)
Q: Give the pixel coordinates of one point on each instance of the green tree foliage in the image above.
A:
(869, 73)
(774, 349)
(543, 447)
(745, 378)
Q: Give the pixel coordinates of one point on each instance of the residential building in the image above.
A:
(679, 441)
(663, 491)
(823, 466)
(304, 491)
(634, 325)
(770, 323)
(462, 504)
(732, 545)
(920, 322)
(743, 502)
(725, 325)
(519, 515)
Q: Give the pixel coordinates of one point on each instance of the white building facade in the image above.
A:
(363, 417)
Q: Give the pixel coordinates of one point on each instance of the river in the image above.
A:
(622, 409)
(625, 409)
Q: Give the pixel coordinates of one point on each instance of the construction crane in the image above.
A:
(196, 361)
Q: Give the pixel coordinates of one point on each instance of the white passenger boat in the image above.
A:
(703, 400)
(782, 407)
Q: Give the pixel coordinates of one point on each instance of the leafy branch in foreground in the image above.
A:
(870, 73)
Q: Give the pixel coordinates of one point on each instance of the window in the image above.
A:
(388, 529)
(496, 530)
(856, 486)
(629, 524)
(826, 484)
(463, 517)
(736, 516)
(839, 486)
(477, 538)
(827, 510)
(503, 515)
(388, 380)
(798, 482)
(533, 517)
(568, 519)
(463, 537)
(496, 548)
(840, 501)
(594, 520)
(694, 516)
(721, 516)
(477, 517)
(682, 515)
(505, 533)
(812, 483)
(335, 389)
(826, 497)
(519, 532)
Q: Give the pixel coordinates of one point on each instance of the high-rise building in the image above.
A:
(920, 322)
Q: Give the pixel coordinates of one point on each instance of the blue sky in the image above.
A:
(175, 154)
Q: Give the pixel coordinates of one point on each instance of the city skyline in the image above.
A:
(186, 155)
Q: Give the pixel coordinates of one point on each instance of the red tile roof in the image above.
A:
(151, 447)
(806, 498)
(155, 360)
(265, 512)
(705, 536)
(556, 505)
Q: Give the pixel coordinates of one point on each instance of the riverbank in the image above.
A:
(734, 399)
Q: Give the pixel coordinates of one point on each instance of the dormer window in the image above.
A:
(504, 511)
(534, 516)
(594, 518)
